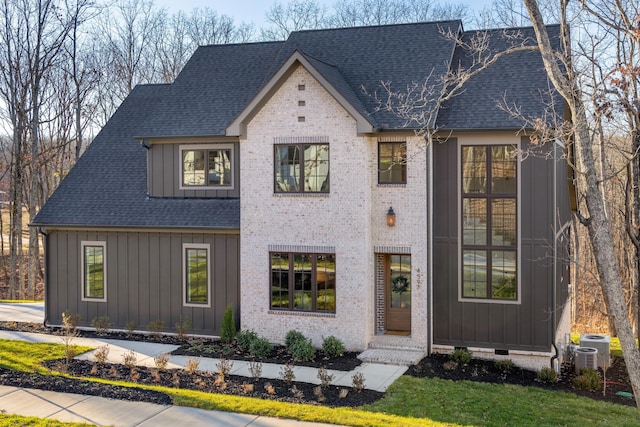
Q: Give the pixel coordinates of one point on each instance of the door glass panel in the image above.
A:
(400, 276)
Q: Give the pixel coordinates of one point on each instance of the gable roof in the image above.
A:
(108, 185)
(221, 85)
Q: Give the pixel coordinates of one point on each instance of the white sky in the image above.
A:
(254, 10)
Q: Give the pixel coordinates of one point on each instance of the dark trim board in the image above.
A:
(144, 278)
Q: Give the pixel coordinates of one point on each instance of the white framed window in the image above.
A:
(196, 274)
(93, 270)
(489, 218)
(206, 167)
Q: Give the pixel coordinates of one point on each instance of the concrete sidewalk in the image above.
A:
(101, 411)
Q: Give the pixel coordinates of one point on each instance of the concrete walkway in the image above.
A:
(101, 411)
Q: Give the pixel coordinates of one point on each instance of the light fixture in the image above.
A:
(391, 217)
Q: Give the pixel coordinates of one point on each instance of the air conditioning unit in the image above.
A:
(586, 357)
(600, 342)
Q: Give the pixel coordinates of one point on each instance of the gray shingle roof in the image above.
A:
(107, 186)
(519, 78)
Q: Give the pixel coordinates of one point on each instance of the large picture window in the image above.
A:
(208, 166)
(302, 168)
(489, 222)
(392, 163)
(197, 282)
(94, 271)
(304, 282)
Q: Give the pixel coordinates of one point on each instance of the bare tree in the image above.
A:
(567, 82)
(293, 16)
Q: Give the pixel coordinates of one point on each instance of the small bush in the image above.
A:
(461, 356)
(303, 351)
(245, 338)
(325, 377)
(505, 366)
(293, 337)
(183, 327)
(156, 328)
(192, 365)
(450, 365)
(129, 359)
(101, 354)
(255, 368)
(332, 346)
(589, 379)
(130, 327)
(224, 367)
(228, 328)
(260, 347)
(357, 381)
(547, 375)
(101, 324)
(287, 374)
(161, 361)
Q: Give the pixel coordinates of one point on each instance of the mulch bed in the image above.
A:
(617, 379)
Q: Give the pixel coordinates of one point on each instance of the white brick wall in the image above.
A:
(351, 218)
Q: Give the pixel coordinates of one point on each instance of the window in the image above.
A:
(303, 282)
(94, 271)
(302, 168)
(197, 283)
(392, 163)
(206, 166)
(489, 222)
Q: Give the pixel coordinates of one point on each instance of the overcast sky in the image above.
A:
(254, 10)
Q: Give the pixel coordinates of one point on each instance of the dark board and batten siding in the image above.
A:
(144, 278)
(526, 326)
(164, 173)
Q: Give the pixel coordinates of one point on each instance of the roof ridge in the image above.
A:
(357, 27)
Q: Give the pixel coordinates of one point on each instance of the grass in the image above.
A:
(408, 402)
(16, 420)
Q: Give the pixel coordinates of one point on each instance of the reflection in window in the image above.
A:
(489, 222)
(207, 167)
(304, 282)
(94, 270)
(392, 163)
(196, 274)
(400, 277)
(302, 168)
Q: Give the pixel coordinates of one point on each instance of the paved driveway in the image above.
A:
(22, 312)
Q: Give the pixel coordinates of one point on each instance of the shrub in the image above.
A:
(505, 366)
(303, 350)
(332, 346)
(547, 375)
(358, 381)
(293, 337)
(228, 328)
(129, 359)
(156, 328)
(102, 324)
(161, 361)
(192, 365)
(245, 338)
(589, 379)
(255, 368)
(461, 356)
(260, 347)
(130, 327)
(224, 367)
(287, 374)
(325, 377)
(102, 354)
(183, 327)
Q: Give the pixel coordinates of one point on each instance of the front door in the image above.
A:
(398, 294)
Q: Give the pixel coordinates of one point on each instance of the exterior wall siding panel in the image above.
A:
(523, 326)
(144, 278)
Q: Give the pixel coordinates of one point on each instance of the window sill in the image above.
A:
(301, 313)
(400, 185)
(301, 194)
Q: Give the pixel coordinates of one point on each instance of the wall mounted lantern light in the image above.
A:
(391, 217)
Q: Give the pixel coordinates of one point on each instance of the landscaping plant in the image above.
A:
(228, 328)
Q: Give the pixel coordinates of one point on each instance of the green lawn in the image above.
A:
(408, 402)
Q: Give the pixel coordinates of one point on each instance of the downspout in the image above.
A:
(554, 280)
(430, 247)
(45, 244)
